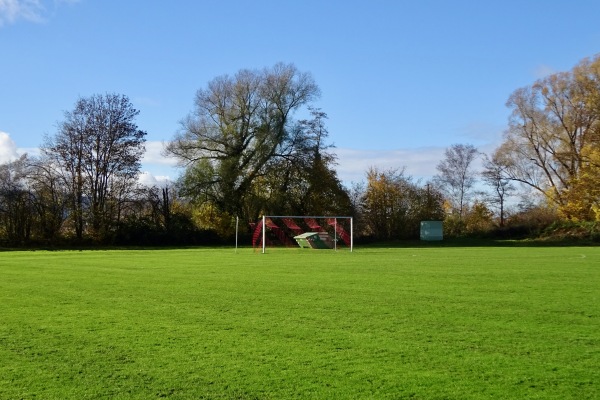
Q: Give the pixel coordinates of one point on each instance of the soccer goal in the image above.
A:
(316, 232)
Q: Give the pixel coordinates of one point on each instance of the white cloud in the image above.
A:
(352, 164)
(30, 151)
(419, 163)
(147, 179)
(12, 10)
(154, 155)
(158, 170)
(8, 148)
(28, 10)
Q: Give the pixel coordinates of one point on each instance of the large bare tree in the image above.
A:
(239, 126)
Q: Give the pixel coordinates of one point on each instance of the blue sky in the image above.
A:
(400, 80)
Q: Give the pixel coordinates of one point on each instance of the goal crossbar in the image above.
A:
(266, 218)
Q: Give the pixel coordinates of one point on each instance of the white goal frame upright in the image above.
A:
(335, 218)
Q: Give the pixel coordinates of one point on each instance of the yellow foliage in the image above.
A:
(582, 199)
(447, 207)
(478, 218)
(207, 216)
(596, 210)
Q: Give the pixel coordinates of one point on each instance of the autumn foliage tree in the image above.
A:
(553, 138)
(393, 205)
(582, 198)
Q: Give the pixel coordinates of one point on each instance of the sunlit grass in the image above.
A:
(425, 323)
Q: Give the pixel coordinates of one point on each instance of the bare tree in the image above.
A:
(50, 198)
(98, 148)
(239, 126)
(16, 202)
(456, 176)
(495, 176)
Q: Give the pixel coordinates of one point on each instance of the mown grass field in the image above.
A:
(406, 323)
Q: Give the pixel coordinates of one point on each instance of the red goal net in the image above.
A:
(317, 232)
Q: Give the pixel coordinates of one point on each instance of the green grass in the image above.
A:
(414, 323)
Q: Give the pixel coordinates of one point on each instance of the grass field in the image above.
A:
(405, 323)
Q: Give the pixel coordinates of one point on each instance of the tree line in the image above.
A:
(245, 153)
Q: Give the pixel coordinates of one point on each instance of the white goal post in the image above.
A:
(313, 234)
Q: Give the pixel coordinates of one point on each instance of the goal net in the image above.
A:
(316, 232)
